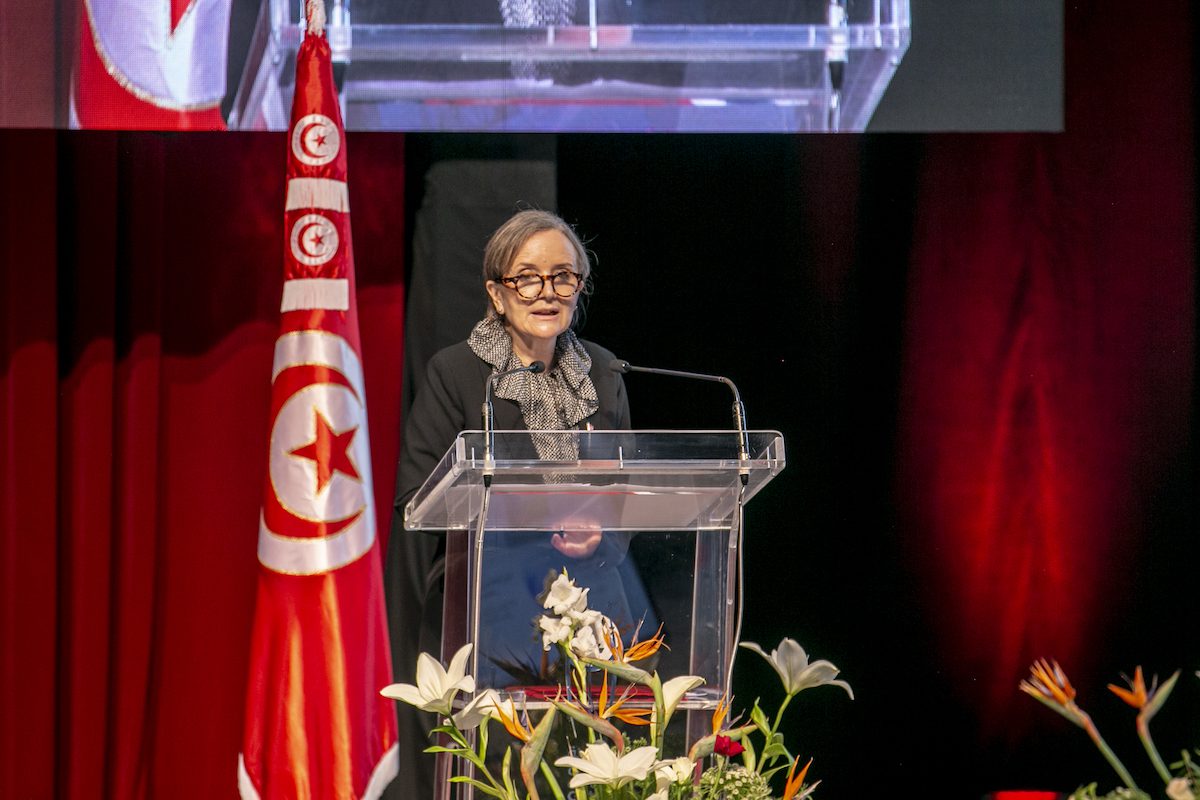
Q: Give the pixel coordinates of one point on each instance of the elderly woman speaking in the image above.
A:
(535, 270)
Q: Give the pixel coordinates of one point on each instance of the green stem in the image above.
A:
(1143, 729)
(552, 780)
(660, 713)
(769, 736)
(779, 713)
(1106, 751)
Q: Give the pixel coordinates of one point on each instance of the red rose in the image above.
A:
(727, 747)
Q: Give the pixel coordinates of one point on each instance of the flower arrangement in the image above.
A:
(737, 760)
(1049, 685)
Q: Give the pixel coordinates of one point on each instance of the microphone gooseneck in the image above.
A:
(489, 425)
(739, 410)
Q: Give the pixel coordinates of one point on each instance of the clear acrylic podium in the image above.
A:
(668, 508)
(607, 65)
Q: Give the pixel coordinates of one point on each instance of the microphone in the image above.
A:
(835, 58)
(489, 433)
(739, 410)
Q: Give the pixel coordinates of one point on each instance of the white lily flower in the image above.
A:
(482, 706)
(791, 663)
(661, 794)
(585, 644)
(555, 630)
(586, 616)
(436, 687)
(672, 771)
(673, 692)
(676, 688)
(565, 596)
(601, 765)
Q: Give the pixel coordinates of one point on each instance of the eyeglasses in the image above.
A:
(529, 285)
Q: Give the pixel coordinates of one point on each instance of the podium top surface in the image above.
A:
(621, 481)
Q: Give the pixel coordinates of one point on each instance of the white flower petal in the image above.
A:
(481, 707)
(636, 763)
(458, 664)
(404, 692)
(430, 676)
(676, 688)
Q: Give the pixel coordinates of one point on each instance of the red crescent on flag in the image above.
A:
(309, 251)
(302, 146)
(297, 504)
(316, 372)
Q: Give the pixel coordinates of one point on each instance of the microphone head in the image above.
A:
(536, 367)
(619, 365)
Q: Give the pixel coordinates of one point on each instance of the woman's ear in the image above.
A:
(494, 295)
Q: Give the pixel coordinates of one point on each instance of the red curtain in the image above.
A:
(1049, 355)
(141, 293)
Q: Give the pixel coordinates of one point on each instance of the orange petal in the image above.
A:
(634, 716)
(1052, 681)
(795, 782)
(719, 713)
(642, 650)
(1135, 695)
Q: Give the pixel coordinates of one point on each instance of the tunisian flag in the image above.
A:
(316, 725)
(151, 64)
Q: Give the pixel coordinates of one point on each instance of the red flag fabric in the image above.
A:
(316, 726)
(151, 64)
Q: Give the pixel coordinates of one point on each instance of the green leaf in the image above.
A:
(506, 774)
(759, 718)
(624, 671)
(770, 772)
(600, 726)
(531, 753)
(749, 757)
(453, 732)
(483, 740)
(703, 747)
(1160, 697)
(457, 751)
(775, 750)
(480, 785)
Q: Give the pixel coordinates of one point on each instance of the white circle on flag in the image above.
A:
(294, 478)
(315, 140)
(314, 240)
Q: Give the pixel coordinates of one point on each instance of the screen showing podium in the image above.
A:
(587, 65)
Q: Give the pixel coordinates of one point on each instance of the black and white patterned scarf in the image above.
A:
(558, 399)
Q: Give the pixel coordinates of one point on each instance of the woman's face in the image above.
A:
(535, 324)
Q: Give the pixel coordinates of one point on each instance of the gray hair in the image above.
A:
(509, 238)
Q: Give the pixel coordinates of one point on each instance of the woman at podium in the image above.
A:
(535, 272)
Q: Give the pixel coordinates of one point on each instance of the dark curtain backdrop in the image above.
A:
(980, 348)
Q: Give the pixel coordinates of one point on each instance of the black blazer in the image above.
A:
(451, 401)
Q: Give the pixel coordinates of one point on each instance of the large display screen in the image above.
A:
(542, 65)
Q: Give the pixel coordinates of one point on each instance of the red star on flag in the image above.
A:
(329, 449)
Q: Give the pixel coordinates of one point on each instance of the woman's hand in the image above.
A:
(577, 543)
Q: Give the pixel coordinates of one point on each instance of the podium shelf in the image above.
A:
(646, 481)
